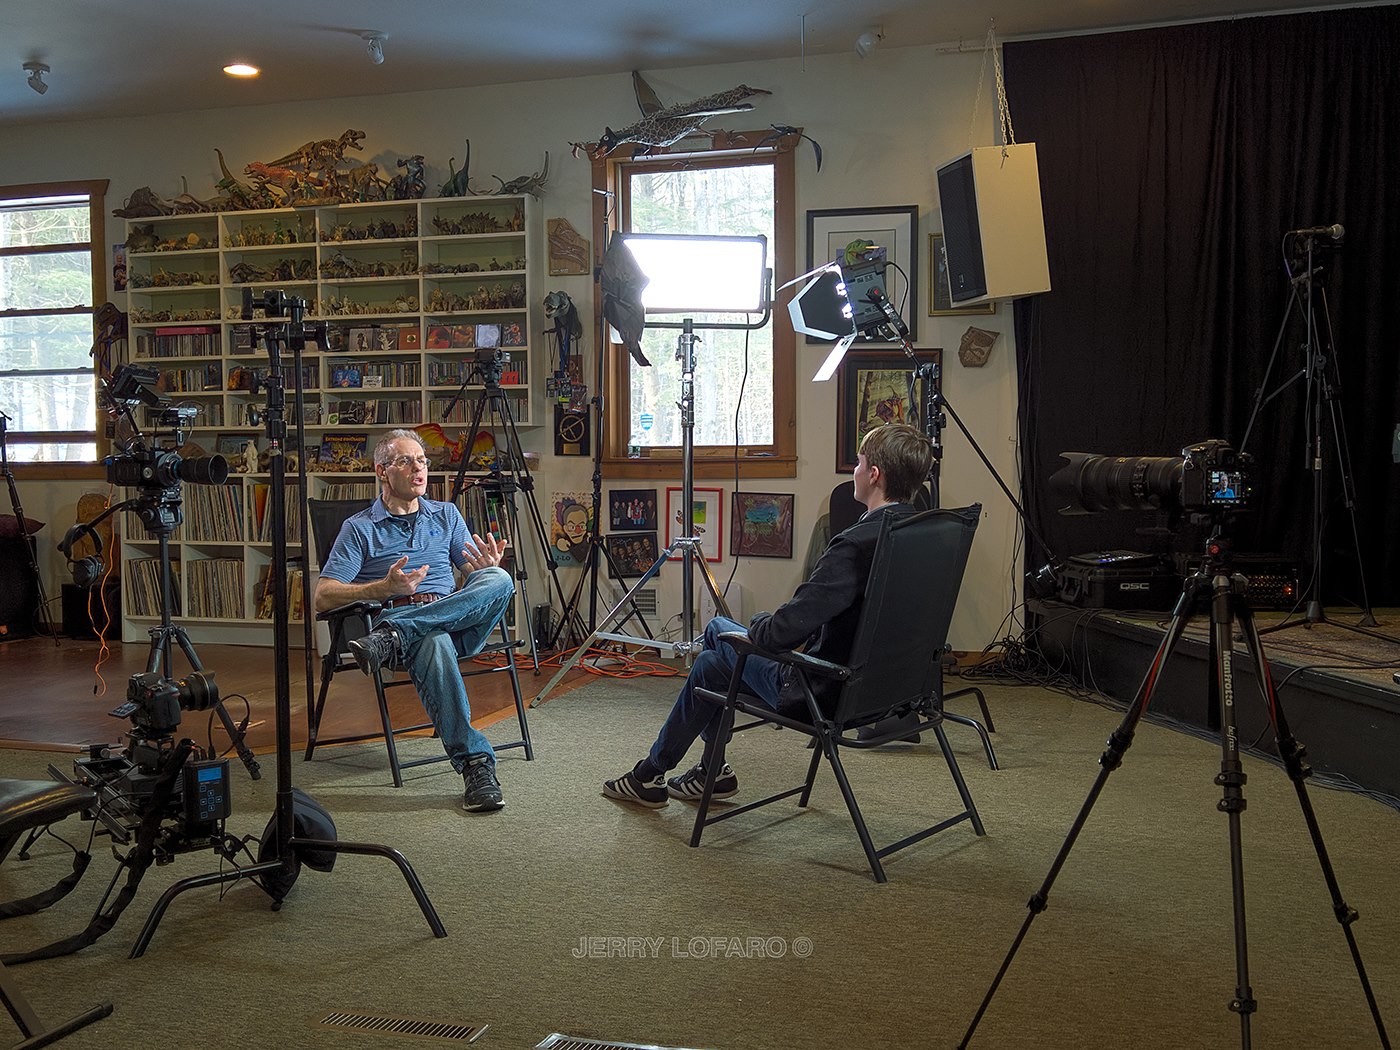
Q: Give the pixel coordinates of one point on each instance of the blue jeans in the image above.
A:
(434, 637)
(692, 716)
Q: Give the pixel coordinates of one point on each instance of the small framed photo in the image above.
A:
(706, 521)
(488, 335)
(762, 525)
(630, 554)
(632, 510)
(512, 334)
(373, 381)
(230, 444)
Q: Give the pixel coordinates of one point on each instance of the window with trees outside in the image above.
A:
(51, 275)
(743, 381)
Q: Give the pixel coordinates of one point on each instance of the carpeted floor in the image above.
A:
(571, 913)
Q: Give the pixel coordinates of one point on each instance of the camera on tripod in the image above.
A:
(154, 466)
(1207, 478)
(153, 777)
(489, 362)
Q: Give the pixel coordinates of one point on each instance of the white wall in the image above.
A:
(884, 124)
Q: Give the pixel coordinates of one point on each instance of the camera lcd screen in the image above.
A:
(1228, 486)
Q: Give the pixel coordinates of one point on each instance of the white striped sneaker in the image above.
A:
(627, 788)
(690, 785)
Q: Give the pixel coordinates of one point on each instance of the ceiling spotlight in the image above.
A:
(868, 41)
(36, 71)
(374, 44)
(241, 69)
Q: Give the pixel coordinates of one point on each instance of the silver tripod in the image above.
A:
(687, 546)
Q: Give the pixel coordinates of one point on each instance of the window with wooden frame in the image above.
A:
(52, 272)
(745, 393)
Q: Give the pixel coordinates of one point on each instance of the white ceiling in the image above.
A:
(130, 57)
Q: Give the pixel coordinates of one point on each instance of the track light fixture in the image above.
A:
(868, 41)
(374, 44)
(36, 71)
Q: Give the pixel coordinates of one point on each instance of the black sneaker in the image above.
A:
(483, 792)
(690, 785)
(379, 648)
(627, 788)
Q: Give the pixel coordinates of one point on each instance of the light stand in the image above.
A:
(597, 550)
(284, 864)
(1322, 383)
(688, 546)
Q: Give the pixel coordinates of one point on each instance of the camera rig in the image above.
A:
(1208, 478)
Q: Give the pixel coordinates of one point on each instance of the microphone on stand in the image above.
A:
(1335, 232)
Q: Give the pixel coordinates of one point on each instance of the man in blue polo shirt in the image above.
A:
(400, 551)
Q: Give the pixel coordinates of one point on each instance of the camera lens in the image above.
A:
(1092, 483)
(203, 470)
(198, 690)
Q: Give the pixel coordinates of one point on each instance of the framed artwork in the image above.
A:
(632, 510)
(706, 523)
(940, 292)
(761, 525)
(631, 554)
(872, 389)
(896, 229)
(231, 444)
(571, 527)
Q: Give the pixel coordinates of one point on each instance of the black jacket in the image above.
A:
(825, 610)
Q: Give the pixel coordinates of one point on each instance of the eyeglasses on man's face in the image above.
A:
(408, 461)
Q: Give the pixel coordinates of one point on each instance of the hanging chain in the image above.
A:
(1008, 134)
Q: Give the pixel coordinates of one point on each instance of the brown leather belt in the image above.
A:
(411, 599)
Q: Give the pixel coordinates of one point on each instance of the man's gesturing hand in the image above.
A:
(401, 582)
(483, 553)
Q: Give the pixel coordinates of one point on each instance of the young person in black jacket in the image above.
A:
(893, 462)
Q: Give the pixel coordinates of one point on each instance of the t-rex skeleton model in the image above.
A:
(661, 126)
(323, 155)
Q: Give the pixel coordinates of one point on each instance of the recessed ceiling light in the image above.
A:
(242, 69)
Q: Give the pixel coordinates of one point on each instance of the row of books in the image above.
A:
(377, 373)
(141, 586)
(183, 341)
(465, 408)
(213, 513)
(191, 380)
(262, 520)
(215, 588)
(264, 607)
(394, 412)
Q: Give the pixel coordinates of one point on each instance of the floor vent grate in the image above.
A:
(461, 1033)
(573, 1042)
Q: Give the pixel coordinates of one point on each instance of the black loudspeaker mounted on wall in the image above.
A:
(993, 224)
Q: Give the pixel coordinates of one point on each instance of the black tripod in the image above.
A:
(509, 475)
(161, 512)
(1216, 582)
(284, 865)
(1323, 399)
(23, 533)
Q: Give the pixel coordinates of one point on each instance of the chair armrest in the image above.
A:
(742, 643)
(366, 606)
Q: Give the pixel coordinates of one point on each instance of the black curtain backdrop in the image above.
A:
(1172, 161)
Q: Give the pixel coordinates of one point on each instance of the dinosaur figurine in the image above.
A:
(531, 184)
(459, 183)
(665, 125)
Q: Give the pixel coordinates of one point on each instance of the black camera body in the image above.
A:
(1209, 477)
(154, 776)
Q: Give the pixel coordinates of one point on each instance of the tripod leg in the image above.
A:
(1231, 780)
(1293, 755)
(1118, 744)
